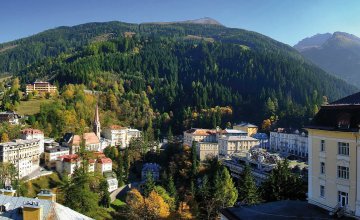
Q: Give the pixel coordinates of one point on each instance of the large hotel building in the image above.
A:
(334, 157)
(41, 87)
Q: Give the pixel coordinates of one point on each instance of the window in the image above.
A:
(343, 148)
(343, 198)
(322, 191)
(322, 168)
(343, 172)
(322, 145)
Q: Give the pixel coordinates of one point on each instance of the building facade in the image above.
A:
(199, 135)
(91, 141)
(103, 165)
(206, 150)
(232, 144)
(40, 87)
(52, 153)
(34, 134)
(23, 154)
(120, 136)
(334, 157)
(67, 164)
(290, 142)
(250, 129)
(263, 139)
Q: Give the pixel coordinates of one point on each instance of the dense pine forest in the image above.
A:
(170, 77)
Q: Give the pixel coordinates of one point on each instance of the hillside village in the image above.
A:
(240, 149)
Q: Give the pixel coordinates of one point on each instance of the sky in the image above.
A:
(287, 21)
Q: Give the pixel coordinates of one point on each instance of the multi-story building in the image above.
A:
(334, 157)
(91, 141)
(34, 134)
(120, 136)
(260, 161)
(250, 129)
(263, 139)
(289, 141)
(233, 144)
(206, 150)
(103, 165)
(24, 154)
(41, 87)
(10, 117)
(52, 153)
(68, 163)
(199, 135)
(113, 183)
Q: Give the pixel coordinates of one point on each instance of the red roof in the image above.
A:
(69, 158)
(104, 160)
(31, 131)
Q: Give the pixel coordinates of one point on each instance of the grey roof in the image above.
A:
(353, 99)
(247, 124)
(285, 209)
(53, 209)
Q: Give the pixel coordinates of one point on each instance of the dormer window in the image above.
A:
(344, 121)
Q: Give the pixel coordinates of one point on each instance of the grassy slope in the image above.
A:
(32, 106)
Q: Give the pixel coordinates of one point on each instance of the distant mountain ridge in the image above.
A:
(337, 53)
(312, 42)
(204, 21)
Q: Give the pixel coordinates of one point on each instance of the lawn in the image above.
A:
(32, 106)
(45, 182)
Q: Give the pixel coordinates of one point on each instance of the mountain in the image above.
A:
(337, 53)
(185, 69)
(312, 42)
(204, 21)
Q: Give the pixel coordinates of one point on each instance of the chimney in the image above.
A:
(8, 191)
(47, 195)
(32, 210)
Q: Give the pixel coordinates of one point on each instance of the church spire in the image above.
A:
(96, 125)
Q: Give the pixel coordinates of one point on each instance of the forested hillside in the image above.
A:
(191, 75)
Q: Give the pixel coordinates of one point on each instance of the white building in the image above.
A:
(233, 144)
(24, 154)
(263, 139)
(51, 154)
(68, 163)
(103, 165)
(113, 183)
(291, 142)
(207, 150)
(120, 136)
(199, 135)
(34, 134)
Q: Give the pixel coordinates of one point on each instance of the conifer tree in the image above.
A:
(149, 184)
(171, 188)
(195, 163)
(248, 191)
(282, 184)
(119, 170)
(104, 194)
(225, 191)
(126, 164)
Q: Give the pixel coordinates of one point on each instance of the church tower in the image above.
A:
(96, 125)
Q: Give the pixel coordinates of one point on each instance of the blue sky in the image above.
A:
(287, 21)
